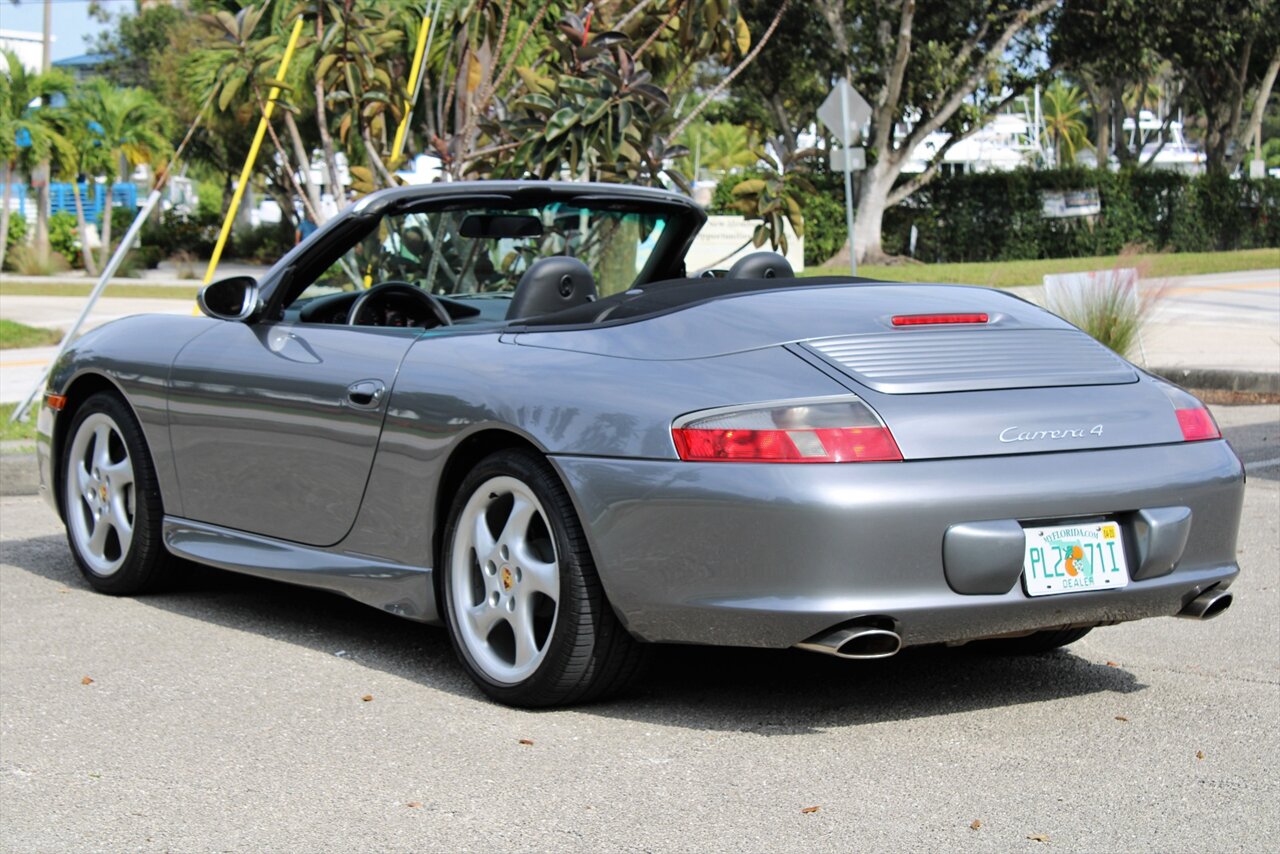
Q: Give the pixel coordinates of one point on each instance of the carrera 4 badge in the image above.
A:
(1017, 434)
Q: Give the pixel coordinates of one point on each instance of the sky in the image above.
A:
(71, 21)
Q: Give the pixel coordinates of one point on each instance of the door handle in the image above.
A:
(366, 394)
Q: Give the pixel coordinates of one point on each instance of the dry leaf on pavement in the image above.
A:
(527, 741)
(808, 810)
(367, 698)
(1121, 718)
(1038, 837)
(977, 823)
(1199, 754)
(414, 804)
(86, 681)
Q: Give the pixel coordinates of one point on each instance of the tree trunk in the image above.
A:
(379, 168)
(85, 252)
(4, 212)
(869, 216)
(1101, 121)
(304, 165)
(326, 144)
(106, 227)
(42, 216)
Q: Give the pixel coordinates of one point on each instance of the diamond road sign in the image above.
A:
(844, 112)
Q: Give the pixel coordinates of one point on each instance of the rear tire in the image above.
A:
(525, 609)
(111, 500)
(1033, 644)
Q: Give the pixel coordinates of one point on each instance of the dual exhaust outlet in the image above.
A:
(870, 642)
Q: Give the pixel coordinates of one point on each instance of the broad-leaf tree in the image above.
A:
(928, 67)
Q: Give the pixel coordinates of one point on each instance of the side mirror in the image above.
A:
(235, 298)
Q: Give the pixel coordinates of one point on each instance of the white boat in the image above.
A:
(1005, 143)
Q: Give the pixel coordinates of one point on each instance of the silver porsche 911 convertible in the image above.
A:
(509, 408)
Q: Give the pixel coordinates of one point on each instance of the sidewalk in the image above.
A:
(165, 274)
(1219, 331)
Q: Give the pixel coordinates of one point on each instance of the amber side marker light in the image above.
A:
(933, 319)
(56, 401)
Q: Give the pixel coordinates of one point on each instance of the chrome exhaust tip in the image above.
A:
(855, 642)
(1207, 605)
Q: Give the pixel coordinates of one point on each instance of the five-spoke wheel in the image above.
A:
(524, 606)
(110, 500)
(505, 579)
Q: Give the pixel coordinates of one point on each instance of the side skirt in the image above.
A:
(405, 591)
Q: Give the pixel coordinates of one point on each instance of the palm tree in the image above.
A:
(1063, 107)
(86, 155)
(27, 135)
(129, 127)
(718, 148)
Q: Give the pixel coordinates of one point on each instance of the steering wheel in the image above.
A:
(374, 295)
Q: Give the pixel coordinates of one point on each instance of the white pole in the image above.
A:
(114, 264)
(848, 176)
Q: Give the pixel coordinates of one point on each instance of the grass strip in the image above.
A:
(1005, 274)
(14, 335)
(16, 430)
(75, 289)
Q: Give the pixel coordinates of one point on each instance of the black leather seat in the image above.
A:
(761, 265)
(551, 284)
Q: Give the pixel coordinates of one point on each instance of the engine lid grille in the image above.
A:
(923, 361)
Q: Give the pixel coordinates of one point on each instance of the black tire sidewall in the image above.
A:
(146, 557)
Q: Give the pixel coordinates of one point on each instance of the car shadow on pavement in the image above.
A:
(770, 692)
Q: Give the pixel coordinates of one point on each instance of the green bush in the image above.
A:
(823, 210)
(64, 237)
(997, 216)
(263, 243)
(172, 233)
(17, 231)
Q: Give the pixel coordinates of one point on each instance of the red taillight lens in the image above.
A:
(1197, 425)
(823, 432)
(931, 319)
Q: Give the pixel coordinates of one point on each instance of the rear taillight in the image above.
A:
(844, 430)
(1195, 421)
(1197, 425)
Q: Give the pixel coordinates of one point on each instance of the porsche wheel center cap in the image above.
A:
(102, 490)
(507, 578)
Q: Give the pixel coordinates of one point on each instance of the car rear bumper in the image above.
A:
(772, 554)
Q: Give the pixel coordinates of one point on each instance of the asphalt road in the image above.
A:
(228, 715)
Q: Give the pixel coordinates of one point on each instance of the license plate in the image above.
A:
(1074, 559)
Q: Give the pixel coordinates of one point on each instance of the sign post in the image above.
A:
(844, 112)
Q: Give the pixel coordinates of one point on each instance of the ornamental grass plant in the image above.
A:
(1112, 305)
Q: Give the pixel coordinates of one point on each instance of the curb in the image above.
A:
(1260, 382)
(18, 474)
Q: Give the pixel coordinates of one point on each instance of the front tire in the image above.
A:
(526, 612)
(111, 499)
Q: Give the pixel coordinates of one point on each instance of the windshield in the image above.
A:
(479, 251)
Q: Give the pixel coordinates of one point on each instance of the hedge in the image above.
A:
(996, 216)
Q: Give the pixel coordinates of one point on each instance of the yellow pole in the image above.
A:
(253, 152)
(397, 148)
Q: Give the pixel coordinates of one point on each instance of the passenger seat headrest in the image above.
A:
(551, 284)
(761, 265)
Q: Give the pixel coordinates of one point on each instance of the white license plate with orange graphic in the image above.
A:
(1074, 559)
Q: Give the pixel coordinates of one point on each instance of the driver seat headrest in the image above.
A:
(552, 284)
(761, 265)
